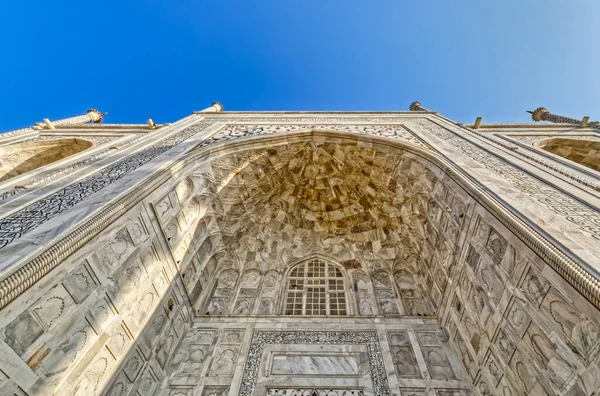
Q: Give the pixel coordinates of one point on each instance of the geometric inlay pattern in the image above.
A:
(230, 132)
(314, 392)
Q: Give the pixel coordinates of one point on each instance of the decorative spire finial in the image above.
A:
(542, 114)
(539, 114)
(416, 106)
(96, 116)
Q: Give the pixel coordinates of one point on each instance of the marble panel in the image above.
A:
(497, 245)
(387, 302)
(534, 286)
(405, 362)
(181, 391)
(438, 365)
(163, 206)
(313, 392)
(413, 392)
(134, 365)
(95, 374)
(122, 244)
(104, 259)
(22, 332)
(314, 365)
(120, 386)
(215, 391)
(80, 282)
(138, 230)
(266, 306)
(517, 316)
(523, 371)
(119, 339)
(313, 339)
(224, 361)
(546, 354)
(148, 383)
(77, 340)
(53, 306)
(579, 331)
(166, 346)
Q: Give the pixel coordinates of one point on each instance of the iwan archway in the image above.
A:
(317, 230)
(317, 262)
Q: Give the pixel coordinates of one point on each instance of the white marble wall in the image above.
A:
(162, 302)
(112, 310)
(415, 355)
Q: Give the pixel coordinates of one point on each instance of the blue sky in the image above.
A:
(164, 59)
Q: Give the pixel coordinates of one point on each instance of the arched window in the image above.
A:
(315, 287)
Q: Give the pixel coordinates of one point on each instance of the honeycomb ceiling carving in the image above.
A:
(352, 203)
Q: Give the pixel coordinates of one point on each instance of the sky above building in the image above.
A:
(165, 59)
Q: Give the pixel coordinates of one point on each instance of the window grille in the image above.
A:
(315, 288)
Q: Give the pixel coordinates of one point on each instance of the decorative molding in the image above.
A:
(96, 140)
(261, 338)
(313, 392)
(18, 132)
(533, 139)
(538, 156)
(308, 120)
(236, 131)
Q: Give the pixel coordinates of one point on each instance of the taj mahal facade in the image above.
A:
(300, 254)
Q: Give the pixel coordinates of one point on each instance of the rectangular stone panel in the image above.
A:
(437, 363)
(215, 391)
(405, 362)
(21, 333)
(80, 283)
(51, 308)
(335, 365)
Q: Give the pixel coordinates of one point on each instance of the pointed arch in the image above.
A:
(364, 294)
(412, 297)
(247, 292)
(385, 293)
(220, 301)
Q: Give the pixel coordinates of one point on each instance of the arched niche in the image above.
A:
(583, 152)
(17, 159)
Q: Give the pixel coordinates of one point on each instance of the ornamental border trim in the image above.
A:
(368, 338)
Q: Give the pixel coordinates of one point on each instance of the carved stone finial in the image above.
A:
(416, 106)
(539, 114)
(96, 115)
(217, 105)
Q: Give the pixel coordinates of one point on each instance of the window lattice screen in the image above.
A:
(315, 288)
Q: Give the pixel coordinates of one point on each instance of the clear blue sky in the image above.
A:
(164, 59)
